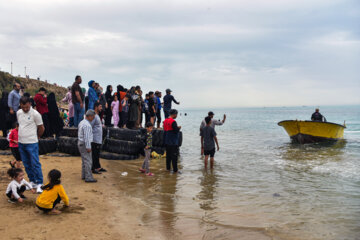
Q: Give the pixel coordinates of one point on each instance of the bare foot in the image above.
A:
(54, 212)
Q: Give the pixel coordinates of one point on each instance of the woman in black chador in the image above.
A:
(56, 123)
(5, 124)
(109, 99)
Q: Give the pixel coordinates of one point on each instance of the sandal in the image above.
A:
(11, 164)
(142, 170)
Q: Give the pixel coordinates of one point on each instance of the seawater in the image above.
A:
(262, 185)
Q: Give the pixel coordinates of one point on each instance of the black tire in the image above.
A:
(68, 145)
(125, 134)
(69, 132)
(4, 144)
(115, 156)
(122, 147)
(158, 138)
(47, 146)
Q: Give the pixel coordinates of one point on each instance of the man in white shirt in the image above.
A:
(213, 123)
(85, 137)
(31, 128)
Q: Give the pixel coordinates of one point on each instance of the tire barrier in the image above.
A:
(125, 134)
(69, 132)
(122, 147)
(4, 144)
(68, 145)
(48, 145)
(115, 156)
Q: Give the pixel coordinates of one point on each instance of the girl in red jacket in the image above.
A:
(14, 145)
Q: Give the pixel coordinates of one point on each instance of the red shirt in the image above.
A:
(14, 136)
(168, 124)
(122, 96)
(41, 104)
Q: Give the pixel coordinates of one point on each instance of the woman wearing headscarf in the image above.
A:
(135, 102)
(68, 99)
(56, 123)
(93, 97)
(109, 99)
(121, 94)
(4, 114)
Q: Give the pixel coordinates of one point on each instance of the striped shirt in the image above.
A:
(85, 133)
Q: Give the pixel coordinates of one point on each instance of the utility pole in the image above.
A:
(11, 68)
(25, 71)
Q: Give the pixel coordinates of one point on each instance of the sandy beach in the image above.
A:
(97, 211)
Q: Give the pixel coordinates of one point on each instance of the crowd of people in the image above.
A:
(123, 108)
(32, 118)
(44, 104)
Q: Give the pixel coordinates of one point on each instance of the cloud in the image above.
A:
(211, 53)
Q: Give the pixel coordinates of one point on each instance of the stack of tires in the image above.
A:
(118, 143)
(158, 141)
(47, 145)
(122, 144)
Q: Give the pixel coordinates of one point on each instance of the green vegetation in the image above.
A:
(31, 85)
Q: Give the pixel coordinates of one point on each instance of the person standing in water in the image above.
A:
(171, 141)
(208, 140)
(213, 123)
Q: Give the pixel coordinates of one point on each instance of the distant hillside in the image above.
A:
(31, 85)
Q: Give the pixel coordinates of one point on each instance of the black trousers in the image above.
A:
(56, 202)
(108, 116)
(19, 191)
(172, 157)
(46, 122)
(158, 116)
(95, 152)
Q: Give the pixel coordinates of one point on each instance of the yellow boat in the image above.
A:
(311, 132)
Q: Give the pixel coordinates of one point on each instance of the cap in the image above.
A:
(211, 114)
(90, 112)
(168, 90)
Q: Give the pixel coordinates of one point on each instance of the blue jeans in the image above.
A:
(30, 157)
(78, 114)
(71, 121)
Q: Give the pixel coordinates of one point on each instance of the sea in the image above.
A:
(262, 185)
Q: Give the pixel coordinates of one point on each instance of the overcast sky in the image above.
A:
(210, 53)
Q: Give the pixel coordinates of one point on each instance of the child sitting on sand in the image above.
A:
(146, 165)
(18, 185)
(208, 140)
(115, 110)
(52, 194)
(14, 145)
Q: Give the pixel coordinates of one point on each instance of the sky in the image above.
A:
(212, 54)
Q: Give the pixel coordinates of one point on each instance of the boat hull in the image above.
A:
(312, 132)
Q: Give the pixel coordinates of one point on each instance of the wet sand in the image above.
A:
(117, 207)
(97, 211)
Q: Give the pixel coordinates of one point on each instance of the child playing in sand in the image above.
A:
(14, 145)
(146, 165)
(208, 140)
(115, 110)
(18, 185)
(52, 194)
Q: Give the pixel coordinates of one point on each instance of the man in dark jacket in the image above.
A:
(171, 140)
(168, 99)
(317, 117)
